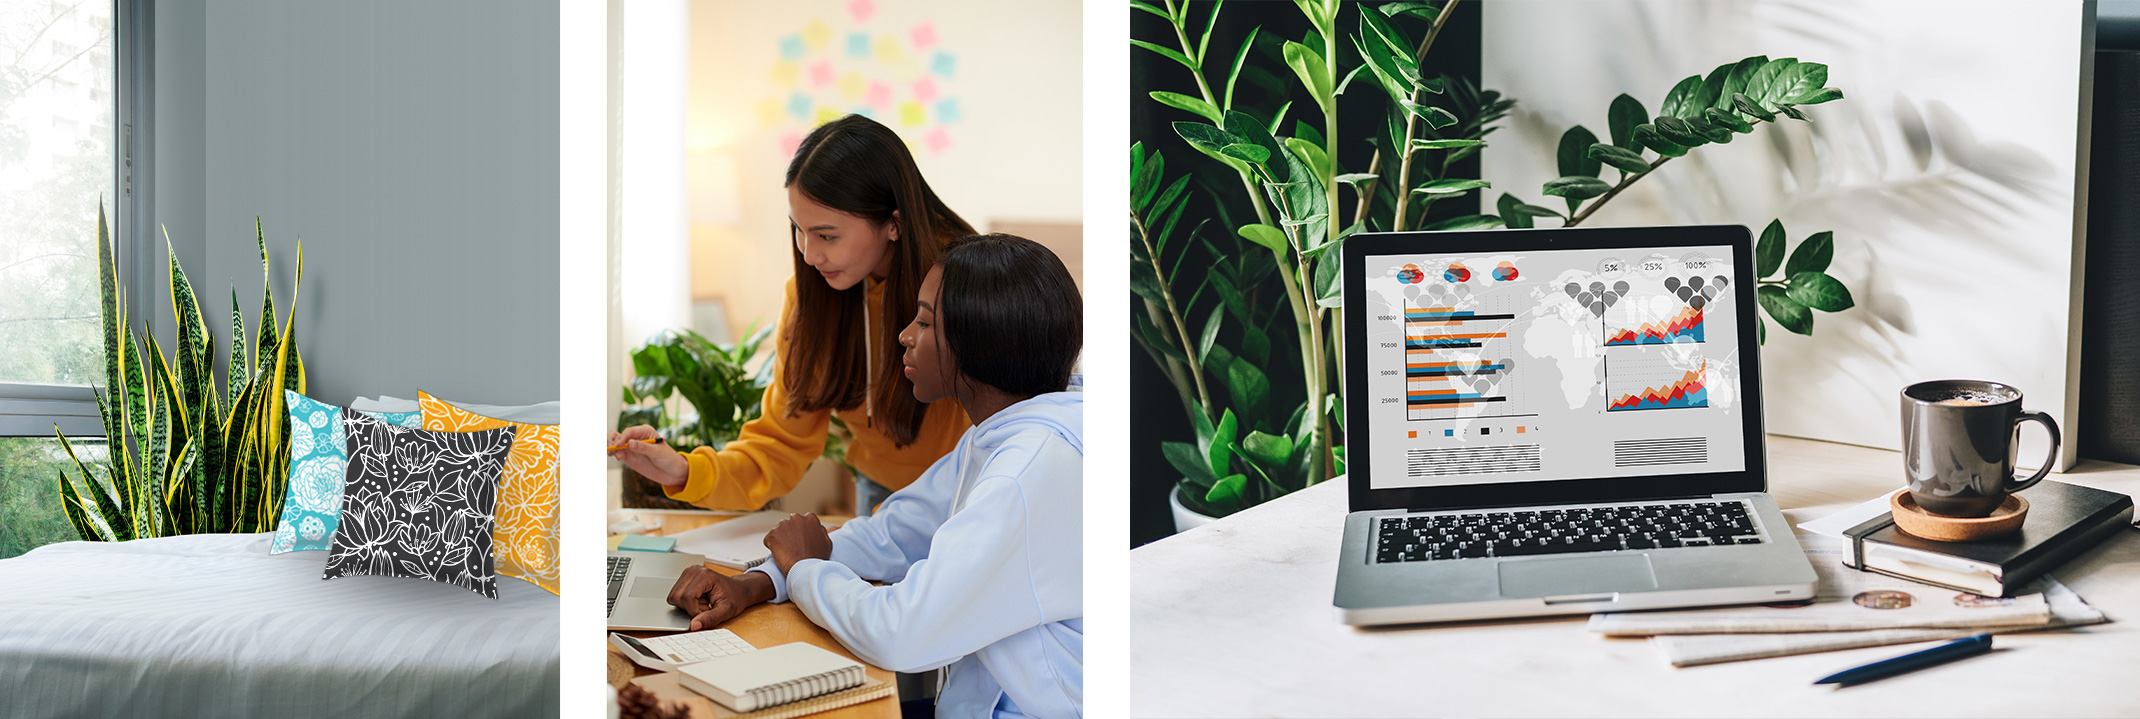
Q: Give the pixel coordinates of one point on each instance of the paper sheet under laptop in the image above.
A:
(736, 544)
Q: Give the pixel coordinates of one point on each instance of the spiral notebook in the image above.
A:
(770, 677)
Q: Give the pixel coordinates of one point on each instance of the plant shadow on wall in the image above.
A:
(181, 457)
(1257, 307)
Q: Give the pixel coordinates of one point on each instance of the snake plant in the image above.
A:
(184, 458)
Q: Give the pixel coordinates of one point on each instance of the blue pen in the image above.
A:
(1957, 649)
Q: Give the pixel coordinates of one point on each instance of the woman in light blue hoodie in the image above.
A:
(983, 554)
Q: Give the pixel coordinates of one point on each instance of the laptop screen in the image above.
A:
(1542, 365)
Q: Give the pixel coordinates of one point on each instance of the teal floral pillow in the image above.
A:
(317, 462)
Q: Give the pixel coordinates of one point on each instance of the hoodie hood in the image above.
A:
(1062, 413)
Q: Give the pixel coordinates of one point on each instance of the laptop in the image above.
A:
(639, 584)
(1555, 421)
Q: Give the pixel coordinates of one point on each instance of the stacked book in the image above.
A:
(1914, 589)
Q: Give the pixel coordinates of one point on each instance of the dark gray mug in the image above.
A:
(1959, 441)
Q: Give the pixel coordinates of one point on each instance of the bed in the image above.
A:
(212, 625)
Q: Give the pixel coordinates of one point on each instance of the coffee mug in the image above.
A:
(1959, 441)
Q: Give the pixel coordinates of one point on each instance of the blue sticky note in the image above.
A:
(857, 44)
(799, 105)
(947, 111)
(791, 47)
(643, 543)
(1448, 433)
(944, 64)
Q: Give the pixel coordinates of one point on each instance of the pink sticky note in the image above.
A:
(879, 95)
(788, 142)
(821, 73)
(924, 35)
(862, 9)
(925, 89)
(939, 140)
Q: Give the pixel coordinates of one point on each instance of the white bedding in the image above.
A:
(214, 626)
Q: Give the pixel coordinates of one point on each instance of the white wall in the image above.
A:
(1947, 175)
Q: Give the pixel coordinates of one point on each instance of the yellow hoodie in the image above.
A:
(771, 453)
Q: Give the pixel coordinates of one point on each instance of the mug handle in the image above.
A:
(2049, 458)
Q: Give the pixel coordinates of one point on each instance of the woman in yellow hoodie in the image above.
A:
(866, 229)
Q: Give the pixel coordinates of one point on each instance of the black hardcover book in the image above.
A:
(2064, 519)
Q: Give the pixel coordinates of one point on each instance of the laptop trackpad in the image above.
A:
(652, 587)
(1577, 575)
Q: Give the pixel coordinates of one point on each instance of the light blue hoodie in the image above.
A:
(985, 559)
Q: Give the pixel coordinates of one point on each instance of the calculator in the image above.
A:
(669, 652)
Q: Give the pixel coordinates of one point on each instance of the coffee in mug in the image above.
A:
(1959, 441)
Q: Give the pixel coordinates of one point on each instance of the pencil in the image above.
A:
(616, 447)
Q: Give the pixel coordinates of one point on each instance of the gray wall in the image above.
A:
(412, 145)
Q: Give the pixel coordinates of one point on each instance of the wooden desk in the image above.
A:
(1234, 619)
(767, 625)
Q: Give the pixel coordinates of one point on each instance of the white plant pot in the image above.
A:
(1185, 518)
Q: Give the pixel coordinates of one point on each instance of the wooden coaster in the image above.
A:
(620, 670)
(1917, 522)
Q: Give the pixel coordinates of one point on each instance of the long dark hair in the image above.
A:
(1010, 314)
(857, 166)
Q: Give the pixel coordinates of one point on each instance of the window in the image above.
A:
(56, 165)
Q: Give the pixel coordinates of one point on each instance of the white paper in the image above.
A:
(736, 544)
(1687, 650)
(1835, 524)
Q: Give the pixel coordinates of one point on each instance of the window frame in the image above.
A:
(34, 409)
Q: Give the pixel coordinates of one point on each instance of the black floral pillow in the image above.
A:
(419, 504)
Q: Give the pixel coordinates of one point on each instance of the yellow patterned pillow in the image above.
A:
(526, 536)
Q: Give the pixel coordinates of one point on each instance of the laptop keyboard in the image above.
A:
(618, 567)
(1517, 533)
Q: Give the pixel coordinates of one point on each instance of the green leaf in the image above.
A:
(1266, 236)
(1679, 132)
(1705, 98)
(1444, 144)
(1760, 331)
(1185, 102)
(1150, 8)
(1388, 67)
(1219, 452)
(1211, 332)
(1626, 113)
(1435, 117)
(1735, 83)
(1819, 96)
(1167, 52)
(1812, 255)
(1210, 140)
(1821, 292)
(1227, 492)
(1786, 311)
(1421, 9)
(1626, 161)
(1649, 137)
(1746, 105)
(1727, 120)
(1803, 80)
(1768, 251)
(1188, 461)
(1760, 88)
(1449, 187)
(1329, 291)
(1271, 450)
(1307, 64)
(1466, 222)
(1355, 178)
(1792, 112)
(1248, 129)
(1254, 154)
(1682, 95)
(1574, 153)
(1576, 187)
(1511, 218)
(1311, 155)
(1709, 130)
(1239, 56)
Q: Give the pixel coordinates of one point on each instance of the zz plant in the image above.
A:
(1215, 330)
(182, 457)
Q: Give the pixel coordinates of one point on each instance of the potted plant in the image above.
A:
(680, 368)
(181, 457)
(1255, 314)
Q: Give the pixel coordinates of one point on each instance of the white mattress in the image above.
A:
(214, 626)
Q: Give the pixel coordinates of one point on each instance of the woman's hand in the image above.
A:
(653, 460)
(797, 538)
(712, 598)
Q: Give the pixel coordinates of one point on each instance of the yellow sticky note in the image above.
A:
(785, 73)
(768, 112)
(826, 114)
(889, 50)
(816, 34)
(911, 114)
(852, 85)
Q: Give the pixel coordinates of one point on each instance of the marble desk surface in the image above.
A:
(1234, 619)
